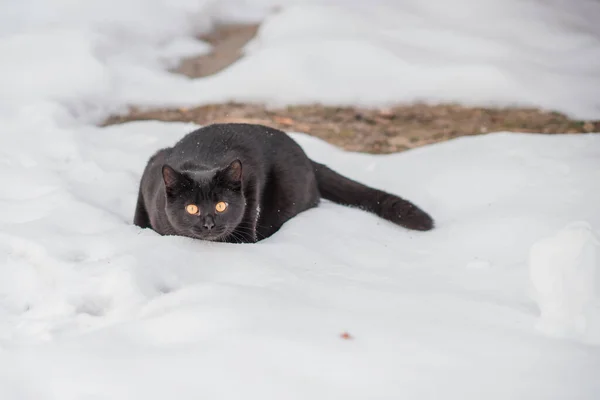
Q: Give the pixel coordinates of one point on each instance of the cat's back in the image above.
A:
(214, 143)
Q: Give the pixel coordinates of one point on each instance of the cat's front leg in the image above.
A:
(248, 226)
(251, 221)
(141, 217)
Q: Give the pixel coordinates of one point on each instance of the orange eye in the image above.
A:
(192, 209)
(221, 206)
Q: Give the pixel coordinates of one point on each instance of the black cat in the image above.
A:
(241, 182)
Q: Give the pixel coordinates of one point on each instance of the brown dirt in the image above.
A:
(375, 131)
(227, 41)
(356, 129)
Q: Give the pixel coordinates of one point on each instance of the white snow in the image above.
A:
(481, 52)
(92, 306)
(499, 301)
(564, 270)
(490, 52)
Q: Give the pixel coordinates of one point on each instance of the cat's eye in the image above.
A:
(192, 209)
(221, 206)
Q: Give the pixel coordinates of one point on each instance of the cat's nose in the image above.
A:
(209, 223)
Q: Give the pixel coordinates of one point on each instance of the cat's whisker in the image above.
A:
(237, 237)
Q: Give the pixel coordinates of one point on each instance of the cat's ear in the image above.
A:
(171, 177)
(233, 172)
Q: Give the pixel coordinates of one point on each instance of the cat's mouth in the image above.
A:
(212, 235)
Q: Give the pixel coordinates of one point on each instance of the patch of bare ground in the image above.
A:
(227, 41)
(356, 129)
(375, 131)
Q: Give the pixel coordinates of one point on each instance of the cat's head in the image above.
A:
(207, 205)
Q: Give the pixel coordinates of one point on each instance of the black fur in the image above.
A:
(261, 173)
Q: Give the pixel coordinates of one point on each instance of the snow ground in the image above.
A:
(500, 301)
(100, 55)
(92, 307)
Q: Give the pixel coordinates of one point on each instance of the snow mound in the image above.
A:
(471, 52)
(94, 58)
(565, 271)
(94, 299)
(110, 54)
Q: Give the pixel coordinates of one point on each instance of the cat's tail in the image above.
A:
(341, 190)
